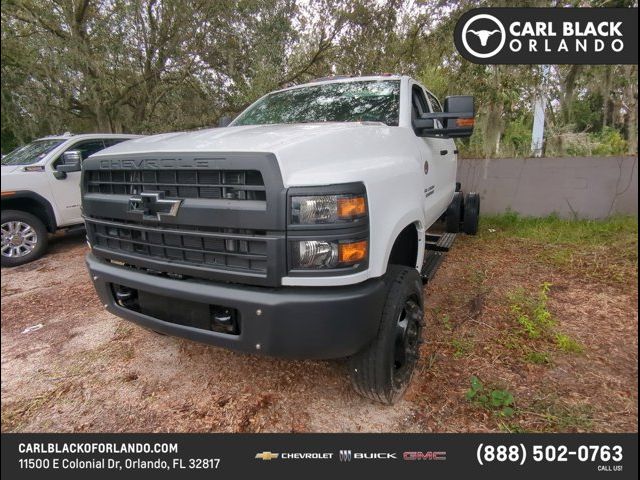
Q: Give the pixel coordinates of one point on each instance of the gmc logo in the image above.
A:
(424, 456)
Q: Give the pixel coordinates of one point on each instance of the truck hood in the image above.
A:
(307, 154)
(250, 138)
(7, 169)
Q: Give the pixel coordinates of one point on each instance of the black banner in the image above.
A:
(211, 456)
(548, 35)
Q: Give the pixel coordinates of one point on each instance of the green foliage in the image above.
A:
(531, 312)
(559, 415)
(553, 230)
(606, 250)
(609, 141)
(536, 322)
(445, 319)
(538, 358)
(587, 112)
(568, 344)
(149, 66)
(500, 402)
(461, 347)
(517, 137)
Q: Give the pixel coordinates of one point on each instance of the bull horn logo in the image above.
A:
(483, 34)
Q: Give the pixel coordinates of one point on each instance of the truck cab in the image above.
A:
(41, 191)
(297, 231)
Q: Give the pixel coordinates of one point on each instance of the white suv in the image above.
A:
(41, 191)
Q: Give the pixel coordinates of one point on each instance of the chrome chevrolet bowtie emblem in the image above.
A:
(153, 206)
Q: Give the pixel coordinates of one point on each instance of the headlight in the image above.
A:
(327, 209)
(320, 254)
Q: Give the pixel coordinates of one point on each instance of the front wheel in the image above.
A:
(382, 370)
(24, 238)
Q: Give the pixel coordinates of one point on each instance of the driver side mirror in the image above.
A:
(457, 119)
(71, 162)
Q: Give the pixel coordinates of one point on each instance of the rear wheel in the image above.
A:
(382, 370)
(454, 213)
(24, 238)
(471, 214)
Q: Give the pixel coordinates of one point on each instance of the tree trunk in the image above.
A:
(631, 102)
(569, 86)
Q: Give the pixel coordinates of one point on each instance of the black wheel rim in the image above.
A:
(407, 341)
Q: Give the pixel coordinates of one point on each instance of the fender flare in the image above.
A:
(413, 217)
(50, 216)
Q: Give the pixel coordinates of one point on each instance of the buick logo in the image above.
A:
(153, 206)
(345, 455)
(483, 35)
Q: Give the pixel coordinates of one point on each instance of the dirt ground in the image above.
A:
(88, 371)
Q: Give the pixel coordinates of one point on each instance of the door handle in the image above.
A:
(444, 152)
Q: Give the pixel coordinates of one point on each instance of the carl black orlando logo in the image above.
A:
(548, 35)
(483, 35)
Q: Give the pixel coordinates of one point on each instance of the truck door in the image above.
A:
(438, 157)
(66, 191)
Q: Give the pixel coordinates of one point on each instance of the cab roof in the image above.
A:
(347, 79)
(88, 136)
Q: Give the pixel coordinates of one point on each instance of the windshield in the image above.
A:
(31, 153)
(366, 101)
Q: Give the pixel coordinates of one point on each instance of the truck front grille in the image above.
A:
(224, 249)
(228, 224)
(225, 184)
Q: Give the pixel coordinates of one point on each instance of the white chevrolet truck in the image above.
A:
(299, 230)
(41, 191)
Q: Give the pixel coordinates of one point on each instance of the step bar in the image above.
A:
(436, 247)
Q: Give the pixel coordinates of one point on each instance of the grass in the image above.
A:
(555, 414)
(599, 250)
(461, 347)
(568, 344)
(553, 229)
(537, 328)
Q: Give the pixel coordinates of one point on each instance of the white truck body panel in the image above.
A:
(389, 160)
(62, 194)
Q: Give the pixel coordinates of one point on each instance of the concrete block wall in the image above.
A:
(572, 187)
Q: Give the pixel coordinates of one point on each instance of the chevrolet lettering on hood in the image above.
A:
(157, 163)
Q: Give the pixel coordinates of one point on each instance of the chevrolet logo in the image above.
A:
(153, 205)
(266, 455)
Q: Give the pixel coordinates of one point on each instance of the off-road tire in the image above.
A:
(471, 214)
(454, 213)
(375, 371)
(42, 237)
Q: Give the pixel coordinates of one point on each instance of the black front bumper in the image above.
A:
(295, 322)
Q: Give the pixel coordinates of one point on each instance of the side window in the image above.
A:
(435, 104)
(89, 147)
(418, 102)
(86, 148)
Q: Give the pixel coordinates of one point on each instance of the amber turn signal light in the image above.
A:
(352, 252)
(350, 207)
(465, 122)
